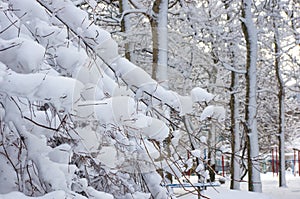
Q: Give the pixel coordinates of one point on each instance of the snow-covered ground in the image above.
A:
(270, 190)
(270, 186)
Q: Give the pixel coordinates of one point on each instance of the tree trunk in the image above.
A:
(235, 161)
(125, 28)
(250, 34)
(281, 108)
(235, 134)
(159, 28)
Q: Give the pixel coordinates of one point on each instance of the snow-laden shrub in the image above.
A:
(74, 120)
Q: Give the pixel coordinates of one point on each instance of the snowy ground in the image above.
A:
(270, 190)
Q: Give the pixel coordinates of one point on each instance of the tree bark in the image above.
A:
(281, 108)
(235, 134)
(250, 34)
(235, 160)
(159, 28)
(125, 28)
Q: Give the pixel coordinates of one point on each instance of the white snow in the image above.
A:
(201, 95)
(140, 195)
(18, 195)
(92, 193)
(203, 139)
(30, 55)
(216, 112)
(270, 189)
(108, 156)
(196, 153)
(42, 87)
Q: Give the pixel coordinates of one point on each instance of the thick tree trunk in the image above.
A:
(250, 34)
(159, 28)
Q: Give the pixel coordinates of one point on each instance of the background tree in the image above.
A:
(249, 30)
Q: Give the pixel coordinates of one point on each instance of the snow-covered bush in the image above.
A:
(75, 119)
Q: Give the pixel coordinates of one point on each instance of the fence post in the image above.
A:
(277, 165)
(294, 162)
(223, 166)
(299, 162)
(273, 167)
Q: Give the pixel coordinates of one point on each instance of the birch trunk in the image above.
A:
(159, 28)
(250, 34)
(125, 28)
